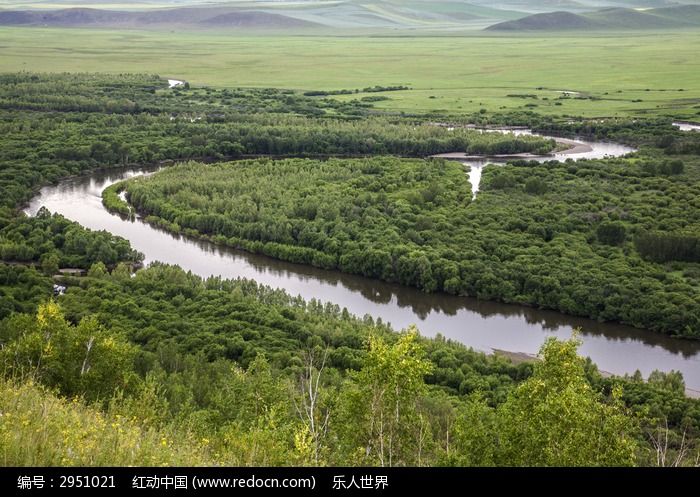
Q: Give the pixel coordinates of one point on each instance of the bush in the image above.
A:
(535, 186)
(611, 233)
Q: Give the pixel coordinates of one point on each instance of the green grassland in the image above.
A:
(616, 74)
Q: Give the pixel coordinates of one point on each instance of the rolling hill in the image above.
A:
(342, 14)
(377, 15)
(549, 21)
(684, 16)
(192, 17)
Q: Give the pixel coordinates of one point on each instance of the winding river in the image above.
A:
(577, 149)
(483, 325)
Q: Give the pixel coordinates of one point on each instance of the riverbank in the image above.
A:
(477, 323)
(572, 147)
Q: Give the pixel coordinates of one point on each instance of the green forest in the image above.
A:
(182, 370)
(158, 366)
(614, 240)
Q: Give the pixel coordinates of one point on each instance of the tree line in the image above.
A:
(56, 125)
(156, 369)
(556, 236)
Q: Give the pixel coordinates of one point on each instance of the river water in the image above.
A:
(483, 325)
(687, 126)
(581, 149)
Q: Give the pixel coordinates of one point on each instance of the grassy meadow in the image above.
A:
(616, 74)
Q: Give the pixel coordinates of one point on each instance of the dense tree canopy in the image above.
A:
(216, 369)
(584, 238)
(36, 239)
(55, 125)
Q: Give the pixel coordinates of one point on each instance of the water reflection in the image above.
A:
(581, 149)
(480, 324)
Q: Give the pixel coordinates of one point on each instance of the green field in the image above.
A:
(625, 74)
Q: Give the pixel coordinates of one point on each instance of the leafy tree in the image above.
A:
(49, 263)
(676, 166)
(475, 437)
(535, 186)
(611, 232)
(673, 381)
(78, 360)
(555, 418)
(663, 246)
(381, 419)
(97, 270)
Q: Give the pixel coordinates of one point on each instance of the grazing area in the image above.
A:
(645, 74)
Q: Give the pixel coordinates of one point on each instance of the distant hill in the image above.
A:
(550, 21)
(578, 6)
(541, 6)
(188, 17)
(255, 19)
(334, 14)
(685, 13)
(374, 15)
(612, 18)
(635, 19)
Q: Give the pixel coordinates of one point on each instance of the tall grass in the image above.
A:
(39, 429)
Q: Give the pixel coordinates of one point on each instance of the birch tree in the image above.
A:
(311, 403)
(382, 404)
